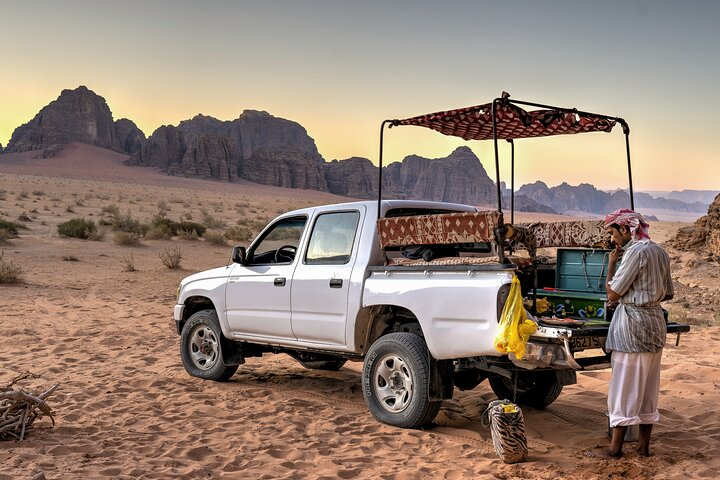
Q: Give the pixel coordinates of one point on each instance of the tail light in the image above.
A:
(502, 296)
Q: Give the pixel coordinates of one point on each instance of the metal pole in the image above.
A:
(380, 167)
(626, 130)
(500, 230)
(497, 158)
(512, 180)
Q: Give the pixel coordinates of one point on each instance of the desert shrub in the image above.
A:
(70, 258)
(11, 227)
(215, 238)
(128, 263)
(163, 206)
(678, 314)
(126, 239)
(4, 236)
(188, 235)
(24, 217)
(171, 257)
(10, 272)
(191, 226)
(211, 221)
(160, 223)
(157, 232)
(38, 193)
(77, 228)
(239, 234)
(69, 209)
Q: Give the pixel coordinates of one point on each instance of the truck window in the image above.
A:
(280, 243)
(332, 238)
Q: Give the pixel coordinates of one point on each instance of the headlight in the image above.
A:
(177, 293)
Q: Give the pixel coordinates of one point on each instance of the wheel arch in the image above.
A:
(192, 305)
(378, 320)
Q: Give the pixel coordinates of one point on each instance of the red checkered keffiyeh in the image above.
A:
(639, 228)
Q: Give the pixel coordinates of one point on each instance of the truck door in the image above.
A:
(319, 297)
(257, 298)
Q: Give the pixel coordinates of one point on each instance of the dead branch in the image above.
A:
(19, 409)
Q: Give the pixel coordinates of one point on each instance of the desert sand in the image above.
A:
(126, 408)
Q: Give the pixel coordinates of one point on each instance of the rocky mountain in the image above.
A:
(688, 196)
(256, 146)
(587, 198)
(77, 115)
(704, 236)
(269, 150)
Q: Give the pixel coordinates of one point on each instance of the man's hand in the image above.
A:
(615, 254)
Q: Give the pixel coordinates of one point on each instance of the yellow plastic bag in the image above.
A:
(514, 328)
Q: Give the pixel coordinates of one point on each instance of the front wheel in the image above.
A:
(201, 347)
(535, 389)
(395, 381)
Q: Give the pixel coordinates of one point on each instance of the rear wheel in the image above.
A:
(535, 389)
(396, 381)
(201, 347)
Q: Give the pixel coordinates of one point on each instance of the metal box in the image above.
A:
(581, 269)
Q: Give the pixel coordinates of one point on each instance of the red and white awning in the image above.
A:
(475, 123)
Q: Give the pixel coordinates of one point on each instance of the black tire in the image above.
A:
(534, 389)
(201, 348)
(395, 381)
(329, 365)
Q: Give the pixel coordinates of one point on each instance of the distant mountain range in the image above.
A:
(268, 150)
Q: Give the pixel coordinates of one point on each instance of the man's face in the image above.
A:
(619, 236)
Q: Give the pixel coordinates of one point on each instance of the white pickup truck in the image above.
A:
(317, 285)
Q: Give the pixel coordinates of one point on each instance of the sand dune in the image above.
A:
(127, 409)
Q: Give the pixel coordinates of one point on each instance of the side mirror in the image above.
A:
(238, 255)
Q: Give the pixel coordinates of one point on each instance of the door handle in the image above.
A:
(279, 282)
(336, 283)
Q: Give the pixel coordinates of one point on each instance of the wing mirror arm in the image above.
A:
(238, 255)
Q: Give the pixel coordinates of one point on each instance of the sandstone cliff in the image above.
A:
(76, 116)
(353, 177)
(130, 137)
(704, 236)
(459, 177)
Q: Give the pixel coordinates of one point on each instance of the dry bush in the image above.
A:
(78, 228)
(678, 314)
(128, 263)
(188, 235)
(239, 234)
(126, 239)
(215, 238)
(210, 221)
(11, 228)
(70, 258)
(24, 217)
(171, 257)
(4, 236)
(19, 409)
(10, 272)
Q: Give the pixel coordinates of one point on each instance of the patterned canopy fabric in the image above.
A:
(475, 123)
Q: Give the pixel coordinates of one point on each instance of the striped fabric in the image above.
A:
(643, 281)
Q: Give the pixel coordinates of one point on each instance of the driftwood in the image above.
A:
(19, 409)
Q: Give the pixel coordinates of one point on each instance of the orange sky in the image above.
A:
(339, 68)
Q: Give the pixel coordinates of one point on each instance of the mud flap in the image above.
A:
(566, 377)
(231, 353)
(441, 379)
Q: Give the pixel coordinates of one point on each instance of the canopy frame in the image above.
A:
(504, 101)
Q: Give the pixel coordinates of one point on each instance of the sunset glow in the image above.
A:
(339, 68)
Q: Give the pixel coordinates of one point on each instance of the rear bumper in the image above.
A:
(556, 347)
